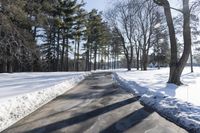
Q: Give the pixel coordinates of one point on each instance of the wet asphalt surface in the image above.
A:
(96, 105)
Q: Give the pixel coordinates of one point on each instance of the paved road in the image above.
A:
(96, 105)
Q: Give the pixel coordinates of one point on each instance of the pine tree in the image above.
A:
(79, 28)
(16, 38)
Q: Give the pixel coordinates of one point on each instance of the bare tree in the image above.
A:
(146, 21)
(177, 65)
(122, 16)
(135, 21)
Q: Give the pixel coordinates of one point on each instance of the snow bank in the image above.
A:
(23, 93)
(179, 104)
(184, 114)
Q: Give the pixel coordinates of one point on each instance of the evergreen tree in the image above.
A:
(93, 32)
(79, 28)
(17, 43)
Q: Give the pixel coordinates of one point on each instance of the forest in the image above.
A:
(61, 35)
(43, 35)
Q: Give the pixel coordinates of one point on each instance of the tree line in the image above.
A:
(135, 23)
(54, 35)
(145, 26)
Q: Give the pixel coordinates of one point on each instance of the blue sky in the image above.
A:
(101, 5)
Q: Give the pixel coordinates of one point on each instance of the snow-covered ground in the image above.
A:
(23, 93)
(178, 103)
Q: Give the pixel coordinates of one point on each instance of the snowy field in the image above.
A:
(178, 103)
(23, 93)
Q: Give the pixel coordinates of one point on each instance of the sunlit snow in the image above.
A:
(23, 93)
(180, 104)
(157, 80)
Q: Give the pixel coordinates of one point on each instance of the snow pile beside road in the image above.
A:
(179, 104)
(23, 93)
(182, 113)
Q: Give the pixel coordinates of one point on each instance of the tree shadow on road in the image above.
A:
(128, 121)
(94, 93)
(82, 117)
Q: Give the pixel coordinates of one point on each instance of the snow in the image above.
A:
(178, 103)
(23, 93)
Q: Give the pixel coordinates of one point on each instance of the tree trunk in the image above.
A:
(77, 59)
(128, 65)
(144, 60)
(90, 59)
(102, 62)
(191, 61)
(87, 58)
(159, 63)
(99, 60)
(173, 77)
(75, 56)
(108, 57)
(49, 49)
(35, 32)
(117, 63)
(67, 54)
(173, 58)
(141, 61)
(187, 44)
(176, 67)
(10, 67)
(62, 54)
(87, 61)
(54, 49)
(131, 57)
(5, 66)
(95, 58)
(137, 59)
(58, 51)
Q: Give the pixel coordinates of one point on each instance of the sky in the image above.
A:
(101, 5)
(104, 5)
